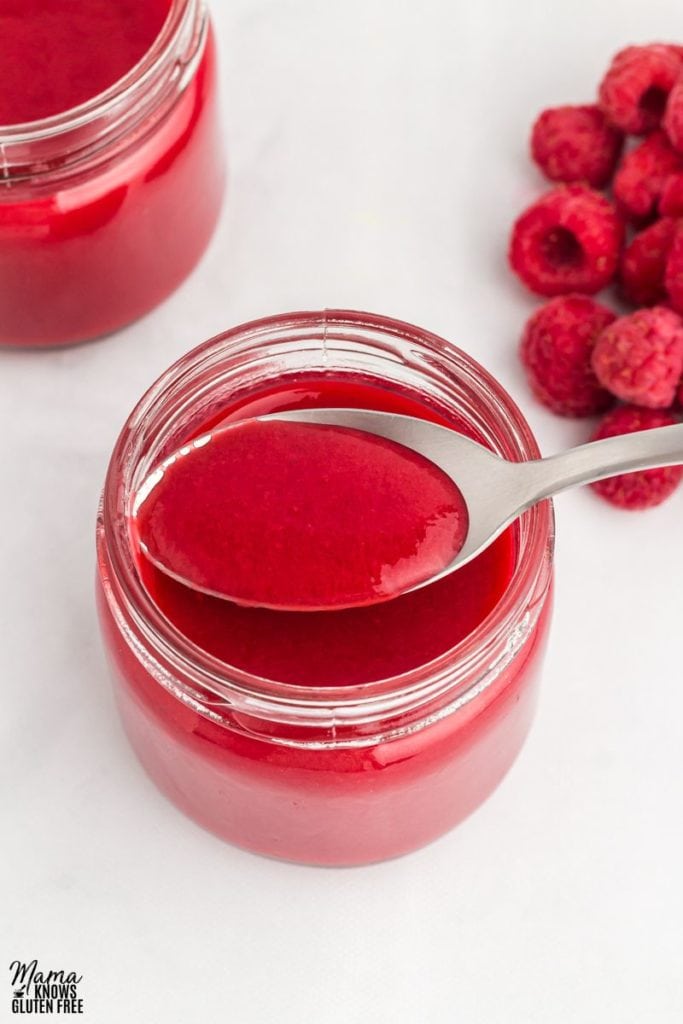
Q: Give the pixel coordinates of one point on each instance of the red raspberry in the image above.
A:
(673, 118)
(576, 144)
(567, 241)
(634, 91)
(671, 199)
(643, 264)
(645, 488)
(639, 358)
(674, 271)
(642, 175)
(556, 352)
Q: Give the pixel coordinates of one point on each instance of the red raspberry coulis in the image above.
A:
(60, 54)
(339, 647)
(300, 516)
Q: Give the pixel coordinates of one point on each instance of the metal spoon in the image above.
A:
(495, 490)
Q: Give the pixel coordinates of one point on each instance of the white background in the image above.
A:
(378, 156)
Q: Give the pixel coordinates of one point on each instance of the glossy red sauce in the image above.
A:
(355, 645)
(56, 54)
(300, 516)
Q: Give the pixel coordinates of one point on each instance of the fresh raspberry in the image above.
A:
(643, 265)
(647, 487)
(673, 278)
(671, 199)
(642, 175)
(568, 241)
(639, 358)
(576, 144)
(633, 93)
(556, 350)
(673, 117)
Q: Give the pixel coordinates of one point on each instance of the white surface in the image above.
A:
(378, 157)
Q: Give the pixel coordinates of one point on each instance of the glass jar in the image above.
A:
(322, 774)
(105, 208)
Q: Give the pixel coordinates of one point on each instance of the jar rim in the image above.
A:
(103, 102)
(278, 700)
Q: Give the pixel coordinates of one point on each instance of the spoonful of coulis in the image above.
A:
(299, 516)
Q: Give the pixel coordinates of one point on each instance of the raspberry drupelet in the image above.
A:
(643, 174)
(643, 265)
(567, 241)
(574, 144)
(648, 487)
(673, 117)
(556, 350)
(634, 92)
(671, 199)
(639, 358)
(673, 279)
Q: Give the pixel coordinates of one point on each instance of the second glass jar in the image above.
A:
(106, 208)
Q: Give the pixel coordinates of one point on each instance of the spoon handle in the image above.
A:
(626, 453)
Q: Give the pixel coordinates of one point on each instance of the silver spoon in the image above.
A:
(496, 491)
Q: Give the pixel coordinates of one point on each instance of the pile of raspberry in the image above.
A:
(614, 220)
